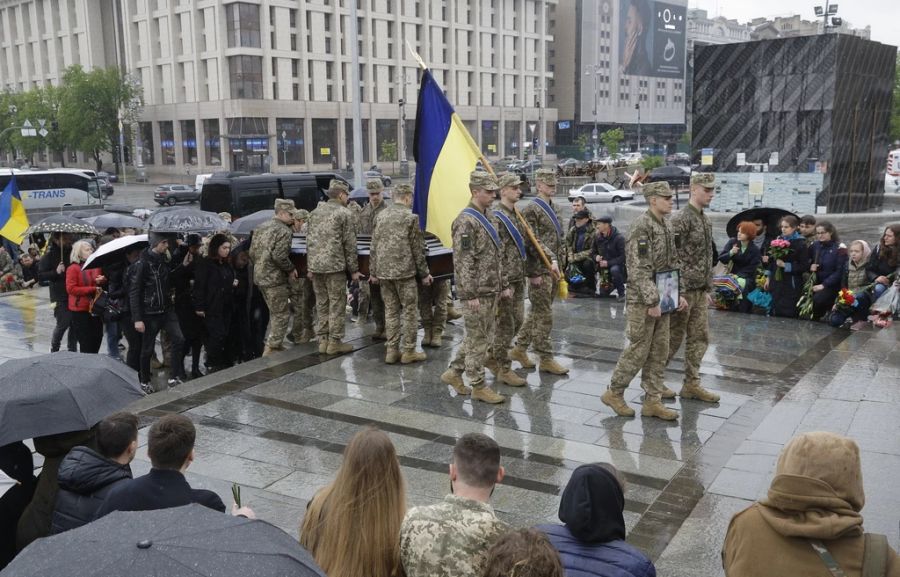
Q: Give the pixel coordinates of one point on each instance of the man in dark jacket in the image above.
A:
(608, 252)
(170, 445)
(52, 271)
(151, 308)
(16, 462)
(86, 476)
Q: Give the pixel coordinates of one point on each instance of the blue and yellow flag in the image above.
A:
(13, 220)
(445, 154)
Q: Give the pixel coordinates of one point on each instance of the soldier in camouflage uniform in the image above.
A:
(477, 267)
(434, 303)
(650, 249)
(510, 311)
(270, 252)
(451, 538)
(693, 231)
(397, 258)
(331, 255)
(370, 296)
(10, 272)
(543, 220)
(303, 301)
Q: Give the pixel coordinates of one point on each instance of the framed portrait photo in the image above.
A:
(667, 287)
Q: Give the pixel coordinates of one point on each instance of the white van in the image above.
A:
(198, 182)
(892, 175)
(55, 188)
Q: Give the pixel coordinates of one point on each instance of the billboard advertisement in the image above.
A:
(635, 50)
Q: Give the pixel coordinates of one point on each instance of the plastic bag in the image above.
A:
(888, 303)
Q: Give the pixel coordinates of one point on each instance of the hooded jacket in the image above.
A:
(817, 493)
(85, 479)
(592, 541)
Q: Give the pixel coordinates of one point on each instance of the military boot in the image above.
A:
(409, 357)
(549, 365)
(697, 392)
(392, 356)
(521, 355)
(654, 408)
(616, 402)
(426, 340)
(667, 393)
(436, 337)
(338, 348)
(453, 314)
(267, 350)
(493, 366)
(455, 380)
(508, 377)
(486, 395)
(323, 346)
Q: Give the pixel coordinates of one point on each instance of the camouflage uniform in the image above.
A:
(303, 301)
(331, 255)
(270, 252)
(477, 266)
(10, 272)
(370, 296)
(536, 329)
(510, 311)
(694, 243)
(397, 258)
(434, 301)
(650, 248)
(448, 539)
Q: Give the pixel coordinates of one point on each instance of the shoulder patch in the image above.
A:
(643, 247)
(465, 242)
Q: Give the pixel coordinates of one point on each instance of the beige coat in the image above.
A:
(817, 493)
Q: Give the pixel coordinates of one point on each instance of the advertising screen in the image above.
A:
(652, 38)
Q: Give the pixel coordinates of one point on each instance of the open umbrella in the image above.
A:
(181, 541)
(247, 224)
(114, 251)
(770, 216)
(182, 220)
(115, 220)
(61, 392)
(87, 213)
(62, 223)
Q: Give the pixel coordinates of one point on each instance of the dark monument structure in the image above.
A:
(804, 116)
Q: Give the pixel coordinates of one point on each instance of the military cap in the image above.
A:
(482, 179)
(374, 185)
(283, 204)
(403, 189)
(337, 186)
(604, 218)
(704, 179)
(545, 175)
(507, 179)
(226, 216)
(300, 214)
(656, 189)
(583, 213)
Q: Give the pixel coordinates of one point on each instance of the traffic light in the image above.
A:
(54, 125)
(127, 151)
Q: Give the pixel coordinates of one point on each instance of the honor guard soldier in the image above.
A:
(369, 296)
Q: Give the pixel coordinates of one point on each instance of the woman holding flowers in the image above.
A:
(829, 258)
(742, 258)
(884, 261)
(856, 305)
(788, 260)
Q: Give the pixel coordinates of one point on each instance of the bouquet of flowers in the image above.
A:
(760, 278)
(805, 304)
(845, 302)
(778, 249)
(605, 284)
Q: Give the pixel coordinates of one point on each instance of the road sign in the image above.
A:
(41, 122)
(43, 132)
(27, 124)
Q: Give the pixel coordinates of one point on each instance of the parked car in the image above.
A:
(674, 175)
(527, 167)
(385, 180)
(172, 194)
(600, 192)
(569, 165)
(108, 176)
(106, 188)
(632, 158)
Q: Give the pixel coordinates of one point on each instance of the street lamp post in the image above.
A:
(284, 147)
(830, 10)
(638, 108)
(595, 135)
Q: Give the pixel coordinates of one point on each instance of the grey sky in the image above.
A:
(882, 15)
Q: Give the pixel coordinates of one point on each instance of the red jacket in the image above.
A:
(81, 286)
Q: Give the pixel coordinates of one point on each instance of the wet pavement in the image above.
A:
(277, 426)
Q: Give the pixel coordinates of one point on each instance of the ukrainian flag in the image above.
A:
(445, 154)
(13, 220)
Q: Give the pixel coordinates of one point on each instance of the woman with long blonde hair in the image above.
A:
(352, 526)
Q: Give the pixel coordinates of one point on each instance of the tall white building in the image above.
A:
(262, 84)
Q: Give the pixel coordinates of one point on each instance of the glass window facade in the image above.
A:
(324, 140)
(386, 132)
(146, 142)
(289, 133)
(189, 141)
(167, 142)
(490, 134)
(348, 142)
(212, 141)
(242, 25)
(245, 73)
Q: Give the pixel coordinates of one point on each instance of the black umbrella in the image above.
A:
(62, 223)
(247, 224)
(182, 541)
(182, 220)
(61, 392)
(769, 216)
(88, 213)
(115, 220)
(114, 251)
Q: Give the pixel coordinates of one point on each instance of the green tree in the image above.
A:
(39, 104)
(895, 113)
(389, 152)
(611, 140)
(91, 106)
(583, 142)
(651, 162)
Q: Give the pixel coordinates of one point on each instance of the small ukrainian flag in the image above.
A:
(13, 220)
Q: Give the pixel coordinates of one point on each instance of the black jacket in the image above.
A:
(878, 266)
(149, 290)
(832, 261)
(745, 263)
(85, 479)
(611, 247)
(158, 489)
(213, 286)
(47, 273)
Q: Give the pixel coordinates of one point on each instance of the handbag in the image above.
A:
(102, 305)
